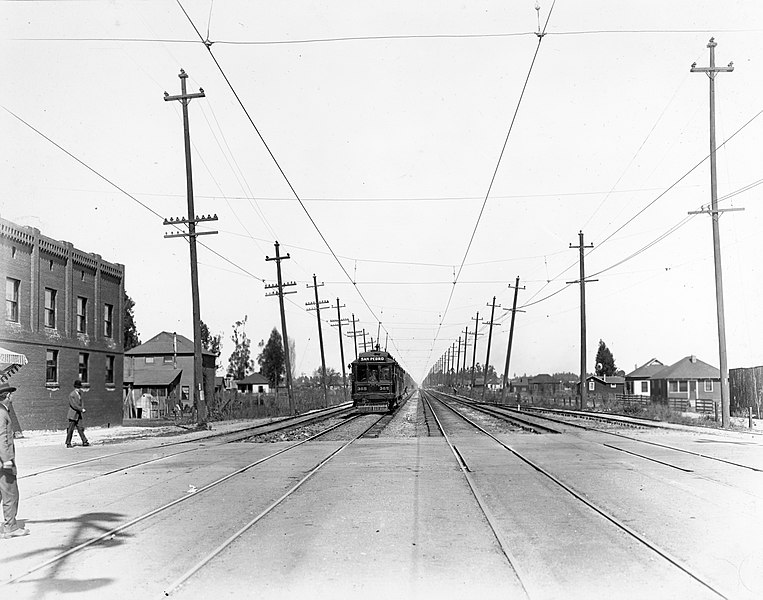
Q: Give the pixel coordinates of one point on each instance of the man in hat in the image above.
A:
(76, 408)
(9, 488)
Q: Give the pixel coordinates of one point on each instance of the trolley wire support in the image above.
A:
(338, 323)
(514, 311)
(582, 392)
(280, 292)
(198, 388)
(316, 306)
(711, 72)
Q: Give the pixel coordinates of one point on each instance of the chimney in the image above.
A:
(692, 358)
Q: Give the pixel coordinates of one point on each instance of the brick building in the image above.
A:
(63, 311)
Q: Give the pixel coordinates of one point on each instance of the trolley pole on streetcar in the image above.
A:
(474, 350)
(198, 372)
(489, 340)
(514, 312)
(279, 287)
(583, 393)
(316, 306)
(338, 321)
(711, 71)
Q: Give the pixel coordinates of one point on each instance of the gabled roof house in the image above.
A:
(688, 383)
(638, 381)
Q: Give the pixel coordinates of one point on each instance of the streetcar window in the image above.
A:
(385, 374)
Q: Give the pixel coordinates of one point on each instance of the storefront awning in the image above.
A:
(8, 357)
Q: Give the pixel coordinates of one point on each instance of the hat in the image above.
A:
(7, 389)
(78, 383)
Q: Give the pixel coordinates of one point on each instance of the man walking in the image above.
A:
(76, 408)
(9, 488)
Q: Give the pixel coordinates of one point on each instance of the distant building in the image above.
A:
(689, 384)
(63, 311)
(159, 376)
(605, 387)
(256, 383)
(638, 381)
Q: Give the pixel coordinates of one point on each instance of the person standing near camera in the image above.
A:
(9, 488)
(76, 410)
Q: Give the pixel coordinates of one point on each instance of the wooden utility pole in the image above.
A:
(458, 363)
(514, 312)
(466, 345)
(489, 341)
(280, 293)
(316, 306)
(715, 216)
(583, 393)
(474, 351)
(338, 323)
(198, 372)
(364, 340)
(355, 334)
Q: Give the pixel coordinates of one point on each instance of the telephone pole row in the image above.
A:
(316, 306)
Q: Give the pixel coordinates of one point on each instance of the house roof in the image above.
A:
(154, 377)
(689, 367)
(254, 379)
(646, 370)
(164, 343)
(544, 378)
(609, 379)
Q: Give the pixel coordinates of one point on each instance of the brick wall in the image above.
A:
(38, 263)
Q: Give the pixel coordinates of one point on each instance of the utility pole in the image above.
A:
(489, 341)
(364, 340)
(458, 362)
(511, 338)
(354, 334)
(338, 321)
(583, 395)
(316, 306)
(280, 293)
(466, 345)
(715, 216)
(474, 351)
(198, 372)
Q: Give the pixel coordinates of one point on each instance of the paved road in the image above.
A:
(394, 517)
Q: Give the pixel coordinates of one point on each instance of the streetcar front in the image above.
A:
(373, 382)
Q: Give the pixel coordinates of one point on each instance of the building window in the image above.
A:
(149, 360)
(12, 299)
(184, 392)
(50, 266)
(591, 386)
(644, 387)
(50, 308)
(110, 370)
(81, 314)
(683, 386)
(108, 320)
(708, 385)
(84, 359)
(168, 359)
(13, 251)
(677, 387)
(82, 276)
(51, 366)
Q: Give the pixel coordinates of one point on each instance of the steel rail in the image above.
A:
(151, 513)
(275, 425)
(207, 559)
(495, 528)
(648, 442)
(600, 511)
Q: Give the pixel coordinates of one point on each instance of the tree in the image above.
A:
(211, 343)
(605, 362)
(272, 359)
(240, 363)
(130, 335)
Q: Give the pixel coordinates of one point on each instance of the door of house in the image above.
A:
(693, 391)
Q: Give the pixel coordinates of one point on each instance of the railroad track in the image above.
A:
(532, 588)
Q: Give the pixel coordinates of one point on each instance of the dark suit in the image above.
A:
(76, 408)
(9, 489)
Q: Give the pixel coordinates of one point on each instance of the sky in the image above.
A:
(416, 157)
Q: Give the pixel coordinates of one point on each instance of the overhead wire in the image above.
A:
(280, 169)
(540, 35)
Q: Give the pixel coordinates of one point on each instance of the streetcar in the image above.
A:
(378, 382)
